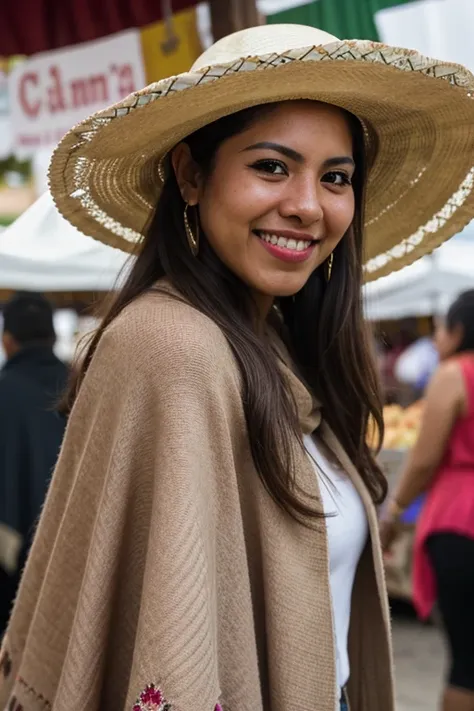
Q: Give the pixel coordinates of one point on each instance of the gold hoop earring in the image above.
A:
(329, 264)
(193, 237)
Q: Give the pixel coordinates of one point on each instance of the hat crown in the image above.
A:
(263, 39)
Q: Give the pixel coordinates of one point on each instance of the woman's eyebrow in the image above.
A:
(339, 160)
(284, 150)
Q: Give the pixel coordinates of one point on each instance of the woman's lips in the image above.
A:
(287, 246)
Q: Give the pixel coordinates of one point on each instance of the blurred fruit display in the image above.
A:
(402, 426)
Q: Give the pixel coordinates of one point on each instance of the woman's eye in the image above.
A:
(337, 177)
(272, 167)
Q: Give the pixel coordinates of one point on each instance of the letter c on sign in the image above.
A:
(31, 108)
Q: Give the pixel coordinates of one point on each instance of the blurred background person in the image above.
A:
(416, 365)
(31, 431)
(442, 463)
(392, 349)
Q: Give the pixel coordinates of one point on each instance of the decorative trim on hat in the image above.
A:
(406, 60)
(82, 192)
(431, 227)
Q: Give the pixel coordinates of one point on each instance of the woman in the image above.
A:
(210, 538)
(442, 463)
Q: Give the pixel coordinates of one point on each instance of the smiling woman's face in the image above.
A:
(279, 197)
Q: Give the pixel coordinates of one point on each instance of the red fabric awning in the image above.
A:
(29, 26)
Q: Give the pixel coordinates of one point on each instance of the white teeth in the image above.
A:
(298, 245)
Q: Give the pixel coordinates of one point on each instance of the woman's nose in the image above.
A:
(302, 201)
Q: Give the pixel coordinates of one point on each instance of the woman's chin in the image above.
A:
(283, 287)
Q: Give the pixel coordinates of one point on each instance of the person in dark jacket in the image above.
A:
(31, 431)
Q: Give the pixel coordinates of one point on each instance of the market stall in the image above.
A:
(427, 286)
(41, 251)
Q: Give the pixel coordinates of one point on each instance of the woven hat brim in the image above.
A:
(104, 174)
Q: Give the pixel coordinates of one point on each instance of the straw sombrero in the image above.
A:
(418, 116)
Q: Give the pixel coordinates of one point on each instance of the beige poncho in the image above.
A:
(162, 571)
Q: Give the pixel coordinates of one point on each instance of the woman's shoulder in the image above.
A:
(465, 362)
(446, 389)
(447, 374)
(160, 326)
(456, 369)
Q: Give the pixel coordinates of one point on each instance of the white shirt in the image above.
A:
(347, 531)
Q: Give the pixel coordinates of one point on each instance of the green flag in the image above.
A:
(436, 28)
(342, 18)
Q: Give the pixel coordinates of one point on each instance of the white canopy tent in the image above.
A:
(426, 287)
(41, 251)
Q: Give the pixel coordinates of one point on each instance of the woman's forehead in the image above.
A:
(304, 125)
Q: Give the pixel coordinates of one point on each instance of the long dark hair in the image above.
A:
(461, 313)
(325, 329)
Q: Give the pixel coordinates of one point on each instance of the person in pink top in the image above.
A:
(442, 464)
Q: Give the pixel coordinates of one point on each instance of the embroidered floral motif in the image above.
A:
(152, 699)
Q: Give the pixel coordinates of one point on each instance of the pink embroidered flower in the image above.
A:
(152, 699)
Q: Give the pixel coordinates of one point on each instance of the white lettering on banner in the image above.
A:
(53, 91)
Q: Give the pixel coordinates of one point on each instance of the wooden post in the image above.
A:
(229, 16)
(250, 16)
